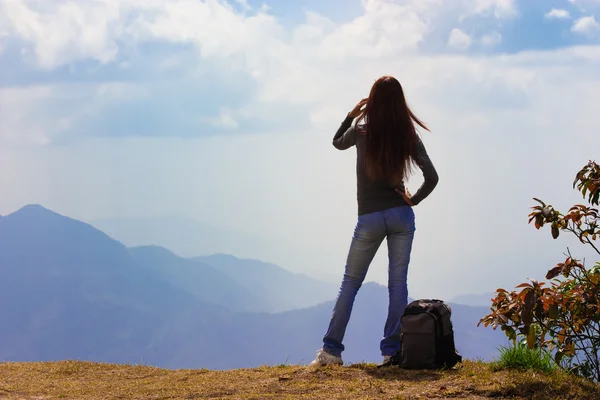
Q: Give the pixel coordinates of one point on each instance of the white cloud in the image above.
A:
(17, 109)
(585, 25)
(102, 30)
(501, 9)
(66, 31)
(376, 32)
(557, 13)
(583, 4)
(459, 39)
(39, 114)
(225, 119)
(492, 39)
(3, 36)
(244, 4)
(288, 66)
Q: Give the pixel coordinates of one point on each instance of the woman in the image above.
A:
(387, 149)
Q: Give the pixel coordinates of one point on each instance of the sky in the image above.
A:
(224, 111)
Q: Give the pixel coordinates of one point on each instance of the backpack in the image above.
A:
(427, 337)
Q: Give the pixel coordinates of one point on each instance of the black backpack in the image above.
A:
(427, 337)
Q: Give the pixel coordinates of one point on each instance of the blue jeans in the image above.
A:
(398, 225)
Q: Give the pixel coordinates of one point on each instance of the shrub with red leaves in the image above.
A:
(563, 317)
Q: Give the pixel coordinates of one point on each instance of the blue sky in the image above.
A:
(224, 111)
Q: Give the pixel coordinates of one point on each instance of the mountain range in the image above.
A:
(69, 291)
(187, 237)
(181, 234)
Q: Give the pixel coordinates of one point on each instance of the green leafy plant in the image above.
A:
(520, 356)
(563, 318)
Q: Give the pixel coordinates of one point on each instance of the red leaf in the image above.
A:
(554, 272)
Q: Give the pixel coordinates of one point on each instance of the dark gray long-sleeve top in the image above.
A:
(376, 196)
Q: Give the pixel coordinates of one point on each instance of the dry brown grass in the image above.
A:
(84, 380)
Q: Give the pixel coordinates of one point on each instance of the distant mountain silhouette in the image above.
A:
(207, 283)
(68, 291)
(283, 289)
(483, 299)
(188, 238)
(184, 236)
(242, 340)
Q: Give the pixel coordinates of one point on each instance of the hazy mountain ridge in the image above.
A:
(483, 299)
(184, 236)
(206, 283)
(70, 291)
(59, 303)
(189, 238)
(284, 289)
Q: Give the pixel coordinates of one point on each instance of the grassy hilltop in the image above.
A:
(475, 380)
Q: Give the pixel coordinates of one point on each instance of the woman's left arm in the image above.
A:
(429, 173)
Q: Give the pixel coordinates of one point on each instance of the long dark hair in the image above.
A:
(389, 132)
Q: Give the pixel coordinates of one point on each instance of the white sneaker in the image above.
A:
(387, 361)
(324, 358)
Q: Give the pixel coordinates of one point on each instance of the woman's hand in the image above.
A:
(405, 195)
(357, 108)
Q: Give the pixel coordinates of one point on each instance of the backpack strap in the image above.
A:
(446, 353)
(439, 340)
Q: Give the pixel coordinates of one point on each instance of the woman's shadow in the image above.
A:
(394, 373)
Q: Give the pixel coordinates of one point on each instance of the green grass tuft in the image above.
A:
(521, 357)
